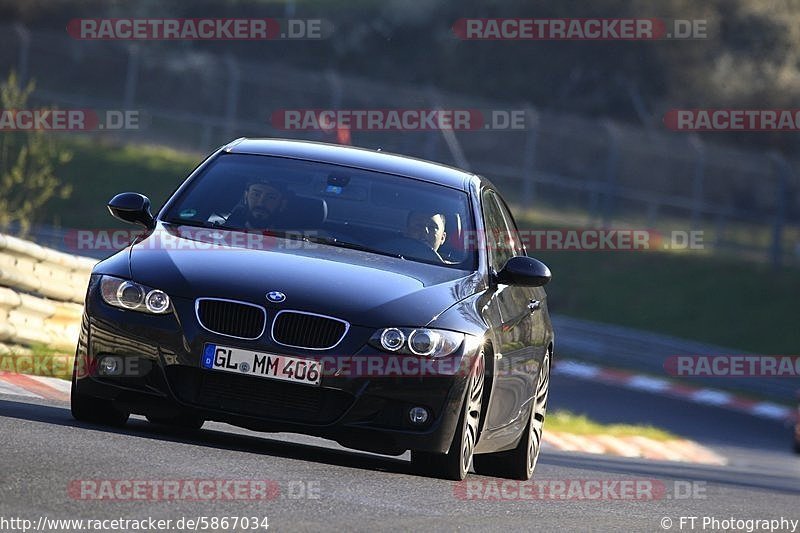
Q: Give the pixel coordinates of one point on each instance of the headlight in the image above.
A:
(392, 339)
(130, 295)
(420, 341)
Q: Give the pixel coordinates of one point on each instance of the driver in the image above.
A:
(428, 228)
(262, 203)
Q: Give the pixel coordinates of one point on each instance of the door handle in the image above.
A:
(533, 305)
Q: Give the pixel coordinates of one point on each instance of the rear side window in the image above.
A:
(499, 243)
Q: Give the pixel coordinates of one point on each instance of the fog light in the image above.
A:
(418, 415)
(110, 366)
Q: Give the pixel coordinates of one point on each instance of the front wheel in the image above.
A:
(456, 462)
(520, 462)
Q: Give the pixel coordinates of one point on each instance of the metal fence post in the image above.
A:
(612, 162)
(205, 139)
(24, 53)
(720, 227)
(594, 202)
(783, 171)
(529, 156)
(652, 213)
(449, 135)
(131, 77)
(232, 98)
(697, 180)
(335, 83)
(431, 137)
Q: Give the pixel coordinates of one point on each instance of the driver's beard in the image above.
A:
(258, 222)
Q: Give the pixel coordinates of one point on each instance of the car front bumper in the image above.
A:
(160, 374)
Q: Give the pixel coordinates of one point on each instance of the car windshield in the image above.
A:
(342, 206)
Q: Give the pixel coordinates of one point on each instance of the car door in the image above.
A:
(535, 296)
(518, 338)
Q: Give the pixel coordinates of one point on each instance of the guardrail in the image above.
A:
(644, 351)
(41, 294)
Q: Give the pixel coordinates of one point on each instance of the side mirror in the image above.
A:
(133, 208)
(524, 271)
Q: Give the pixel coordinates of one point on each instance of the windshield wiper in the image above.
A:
(222, 224)
(349, 245)
(192, 223)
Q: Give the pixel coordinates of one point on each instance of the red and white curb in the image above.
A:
(631, 446)
(681, 450)
(701, 395)
(34, 386)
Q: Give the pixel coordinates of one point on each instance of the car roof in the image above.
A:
(355, 157)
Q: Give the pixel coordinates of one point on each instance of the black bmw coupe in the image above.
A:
(381, 301)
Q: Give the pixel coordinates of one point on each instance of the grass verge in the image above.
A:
(578, 424)
(706, 297)
(99, 170)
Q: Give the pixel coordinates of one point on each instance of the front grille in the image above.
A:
(259, 397)
(234, 319)
(306, 330)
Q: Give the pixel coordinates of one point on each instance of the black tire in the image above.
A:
(455, 463)
(183, 421)
(520, 462)
(94, 410)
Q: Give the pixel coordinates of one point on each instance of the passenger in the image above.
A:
(428, 228)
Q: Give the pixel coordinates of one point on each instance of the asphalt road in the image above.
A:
(324, 487)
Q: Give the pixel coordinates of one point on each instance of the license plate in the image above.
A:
(263, 365)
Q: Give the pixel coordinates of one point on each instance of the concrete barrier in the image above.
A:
(41, 294)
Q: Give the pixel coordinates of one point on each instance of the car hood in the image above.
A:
(363, 288)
